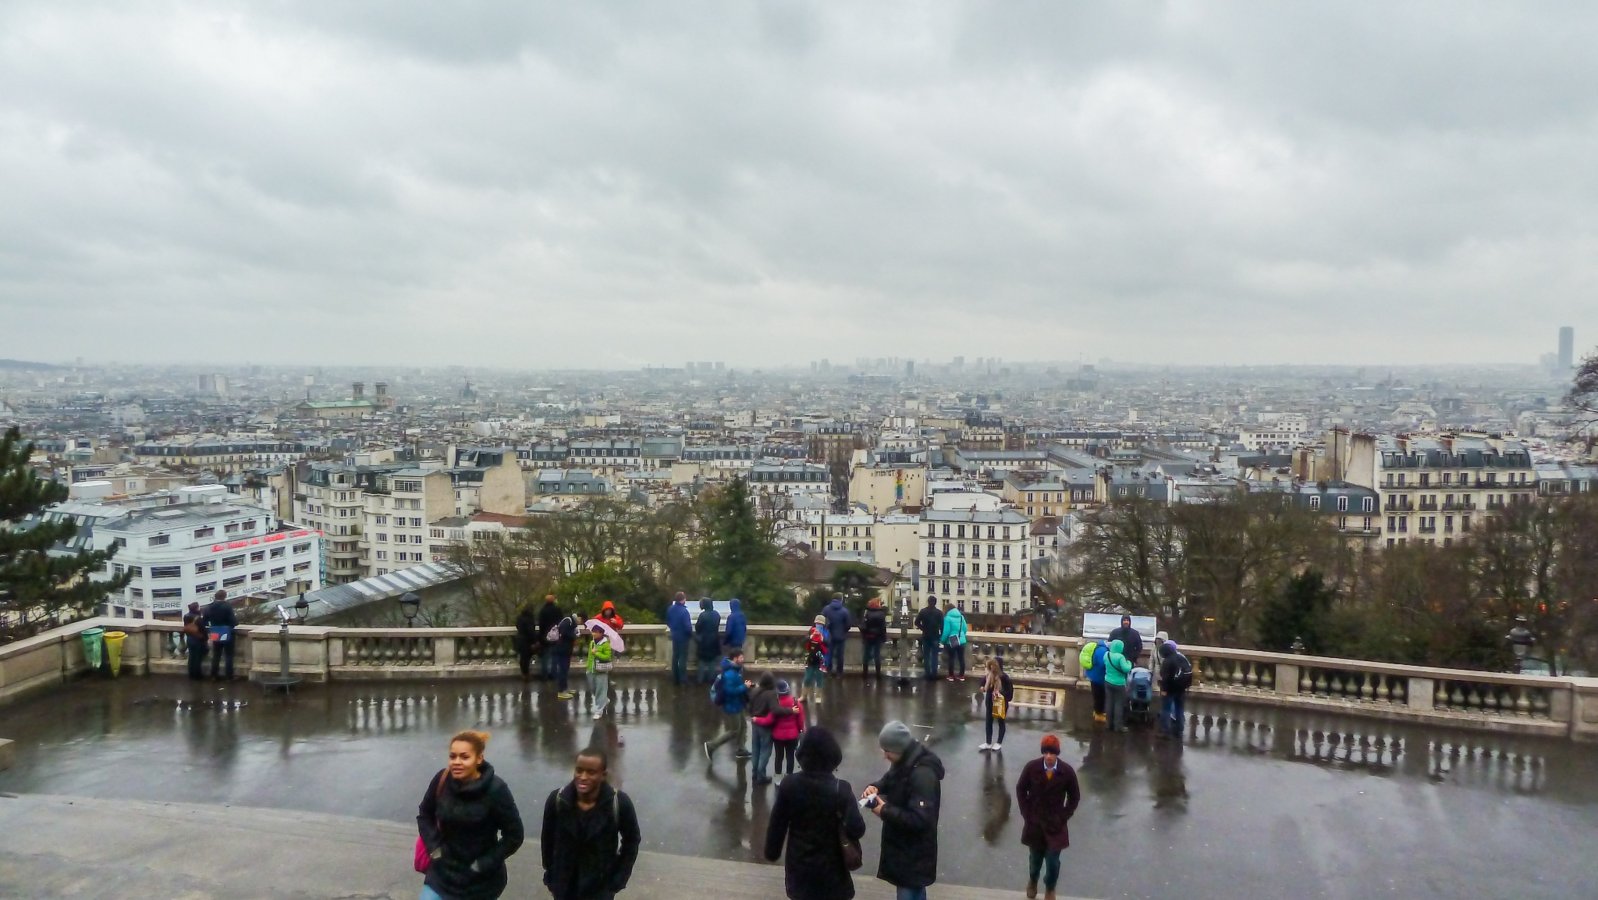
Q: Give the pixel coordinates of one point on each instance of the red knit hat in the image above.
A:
(1051, 744)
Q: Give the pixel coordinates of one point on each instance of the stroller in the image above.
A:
(1140, 696)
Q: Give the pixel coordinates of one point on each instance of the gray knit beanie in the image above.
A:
(895, 737)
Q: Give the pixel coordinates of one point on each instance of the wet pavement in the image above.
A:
(1257, 802)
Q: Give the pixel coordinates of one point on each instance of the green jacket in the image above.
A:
(953, 626)
(1116, 665)
(599, 654)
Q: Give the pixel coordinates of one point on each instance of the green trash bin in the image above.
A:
(93, 642)
(113, 650)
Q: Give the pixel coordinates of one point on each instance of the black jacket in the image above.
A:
(910, 821)
(806, 814)
(707, 631)
(220, 612)
(930, 621)
(476, 823)
(549, 615)
(1006, 688)
(1174, 664)
(528, 635)
(874, 625)
(589, 855)
(199, 639)
(1131, 642)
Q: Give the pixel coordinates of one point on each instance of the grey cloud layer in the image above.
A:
(614, 184)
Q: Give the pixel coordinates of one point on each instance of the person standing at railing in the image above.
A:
(815, 661)
(1130, 639)
(600, 655)
(681, 626)
(1116, 668)
(838, 624)
(1176, 676)
(222, 623)
(565, 644)
(930, 621)
(528, 639)
(1091, 659)
(873, 634)
(195, 639)
(548, 617)
(707, 634)
(954, 638)
(737, 625)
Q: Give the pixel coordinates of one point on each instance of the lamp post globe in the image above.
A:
(410, 603)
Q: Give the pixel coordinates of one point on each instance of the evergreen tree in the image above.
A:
(38, 589)
(739, 561)
(1299, 612)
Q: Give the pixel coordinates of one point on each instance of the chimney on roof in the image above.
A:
(360, 390)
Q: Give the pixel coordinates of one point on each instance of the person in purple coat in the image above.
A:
(1048, 794)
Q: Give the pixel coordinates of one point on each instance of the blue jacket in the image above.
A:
(838, 620)
(737, 626)
(1096, 674)
(707, 629)
(733, 687)
(679, 622)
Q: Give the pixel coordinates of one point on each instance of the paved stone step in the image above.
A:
(81, 847)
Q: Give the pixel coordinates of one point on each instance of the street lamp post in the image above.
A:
(1520, 640)
(410, 603)
(903, 682)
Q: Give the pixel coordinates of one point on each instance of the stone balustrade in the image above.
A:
(1565, 706)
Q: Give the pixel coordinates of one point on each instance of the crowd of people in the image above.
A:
(468, 823)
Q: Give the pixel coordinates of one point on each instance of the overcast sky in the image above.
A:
(617, 184)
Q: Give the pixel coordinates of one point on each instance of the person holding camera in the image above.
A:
(907, 798)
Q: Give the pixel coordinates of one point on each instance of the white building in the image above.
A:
(978, 558)
(186, 552)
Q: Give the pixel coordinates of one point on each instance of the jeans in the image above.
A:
(734, 727)
(709, 667)
(929, 657)
(563, 667)
(905, 893)
(430, 894)
(1115, 705)
(991, 720)
(1173, 714)
(1098, 697)
(873, 653)
(957, 653)
(546, 662)
(835, 656)
(763, 746)
(222, 649)
(1046, 860)
(679, 661)
(599, 686)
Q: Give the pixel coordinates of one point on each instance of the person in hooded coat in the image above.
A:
(807, 815)
(681, 626)
(469, 825)
(838, 624)
(909, 796)
(873, 634)
(1116, 668)
(528, 639)
(707, 637)
(1131, 640)
(549, 616)
(737, 626)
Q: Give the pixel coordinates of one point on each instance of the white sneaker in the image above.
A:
(981, 747)
(998, 746)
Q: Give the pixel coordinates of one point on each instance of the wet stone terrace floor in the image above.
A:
(1257, 802)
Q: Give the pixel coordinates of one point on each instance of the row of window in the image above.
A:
(959, 569)
(382, 538)
(1366, 504)
(399, 556)
(209, 587)
(201, 568)
(977, 588)
(399, 521)
(976, 531)
(856, 545)
(840, 531)
(976, 550)
(1425, 524)
(1425, 479)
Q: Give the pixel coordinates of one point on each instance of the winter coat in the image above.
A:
(1131, 641)
(1096, 674)
(549, 616)
(679, 622)
(910, 820)
(707, 630)
(194, 634)
(737, 626)
(600, 654)
(784, 727)
(566, 629)
(1174, 664)
(220, 612)
(874, 626)
(611, 617)
(527, 634)
(815, 647)
(1116, 666)
(838, 620)
(930, 621)
(475, 823)
(806, 816)
(588, 854)
(1047, 804)
(733, 688)
(954, 628)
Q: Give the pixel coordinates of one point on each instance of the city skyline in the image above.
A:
(618, 187)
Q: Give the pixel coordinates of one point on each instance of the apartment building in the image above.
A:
(1435, 488)
(1037, 495)
(842, 537)
(979, 558)
(226, 455)
(883, 486)
(184, 553)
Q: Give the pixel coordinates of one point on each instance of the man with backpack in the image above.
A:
(564, 639)
(1091, 659)
(549, 616)
(590, 837)
(731, 694)
(873, 633)
(1176, 676)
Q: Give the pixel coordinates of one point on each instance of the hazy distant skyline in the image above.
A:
(625, 184)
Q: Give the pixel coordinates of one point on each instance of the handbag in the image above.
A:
(853, 858)
(1001, 706)
(420, 858)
